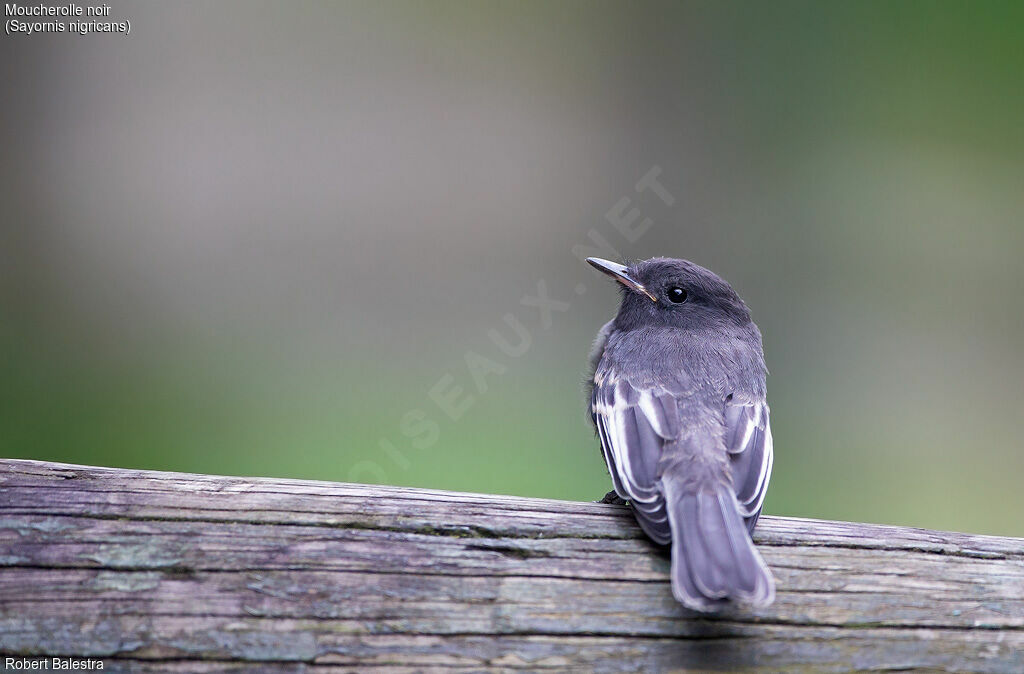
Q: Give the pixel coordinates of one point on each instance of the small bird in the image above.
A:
(678, 401)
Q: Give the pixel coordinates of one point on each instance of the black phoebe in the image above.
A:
(678, 400)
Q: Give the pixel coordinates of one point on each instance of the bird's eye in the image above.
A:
(676, 295)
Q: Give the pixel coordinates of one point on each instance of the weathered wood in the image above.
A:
(173, 572)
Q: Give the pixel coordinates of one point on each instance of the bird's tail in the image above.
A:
(713, 557)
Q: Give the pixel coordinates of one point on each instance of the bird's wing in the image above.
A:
(634, 424)
(748, 439)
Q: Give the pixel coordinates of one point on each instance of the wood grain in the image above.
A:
(158, 571)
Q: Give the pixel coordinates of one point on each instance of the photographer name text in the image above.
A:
(51, 664)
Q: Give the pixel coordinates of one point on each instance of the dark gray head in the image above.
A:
(670, 292)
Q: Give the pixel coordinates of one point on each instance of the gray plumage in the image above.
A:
(678, 401)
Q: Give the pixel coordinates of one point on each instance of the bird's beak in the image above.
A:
(621, 274)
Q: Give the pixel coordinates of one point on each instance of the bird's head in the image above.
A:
(670, 292)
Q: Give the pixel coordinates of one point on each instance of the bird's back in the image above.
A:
(684, 431)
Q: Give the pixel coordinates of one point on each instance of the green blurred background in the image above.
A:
(250, 237)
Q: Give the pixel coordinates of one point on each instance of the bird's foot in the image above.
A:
(613, 498)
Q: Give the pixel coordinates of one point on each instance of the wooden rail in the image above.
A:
(154, 571)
